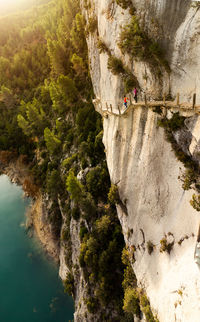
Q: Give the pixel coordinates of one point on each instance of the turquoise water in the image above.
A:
(30, 288)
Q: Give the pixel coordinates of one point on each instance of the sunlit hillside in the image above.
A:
(11, 6)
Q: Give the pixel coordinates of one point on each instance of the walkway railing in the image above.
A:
(107, 107)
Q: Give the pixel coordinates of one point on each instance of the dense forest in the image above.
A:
(48, 117)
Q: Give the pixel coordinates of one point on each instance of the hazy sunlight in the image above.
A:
(7, 3)
(7, 6)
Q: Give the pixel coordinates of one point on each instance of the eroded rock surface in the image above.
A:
(140, 160)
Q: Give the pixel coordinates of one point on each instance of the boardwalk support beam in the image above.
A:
(145, 99)
(164, 99)
(178, 99)
(194, 101)
(119, 110)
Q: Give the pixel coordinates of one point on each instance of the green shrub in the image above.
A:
(67, 163)
(76, 213)
(78, 65)
(100, 257)
(90, 255)
(129, 82)
(125, 4)
(99, 149)
(134, 41)
(83, 149)
(82, 254)
(83, 231)
(86, 123)
(129, 275)
(117, 68)
(189, 178)
(92, 25)
(84, 163)
(158, 110)
(175, 123)
(146, 309)
(103, 48)
(69, 284)
(113, 195)
(195, 202)
(131, 301)
(69, 139)
(150, 247)
(165, 246)
(87, 205)
(55, 219)
(53, 182)
(92, 304)
(74, 187)
(53, 144)
(98, 181)
(103, 225)
(115, 65)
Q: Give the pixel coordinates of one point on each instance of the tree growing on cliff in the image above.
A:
(74, 187)
(131, 302)
(113, 195)
(52, 142)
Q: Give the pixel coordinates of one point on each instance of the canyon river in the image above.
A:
(30, 287)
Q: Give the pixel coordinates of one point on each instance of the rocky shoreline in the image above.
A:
(17, 171)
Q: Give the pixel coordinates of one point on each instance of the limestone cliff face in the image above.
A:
(174, 24)
(144, 167)
(140, 160)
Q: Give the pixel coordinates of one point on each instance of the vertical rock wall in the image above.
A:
(174, 25)
(141, 162)
(146, 171)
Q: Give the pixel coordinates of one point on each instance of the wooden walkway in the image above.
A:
(185, 109)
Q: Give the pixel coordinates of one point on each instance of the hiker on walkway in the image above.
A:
(125, 101)
(135, 92)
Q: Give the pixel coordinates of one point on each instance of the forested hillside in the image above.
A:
(47, 115)
(43, 74)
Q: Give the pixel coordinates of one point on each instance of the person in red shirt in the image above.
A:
(125, 101)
